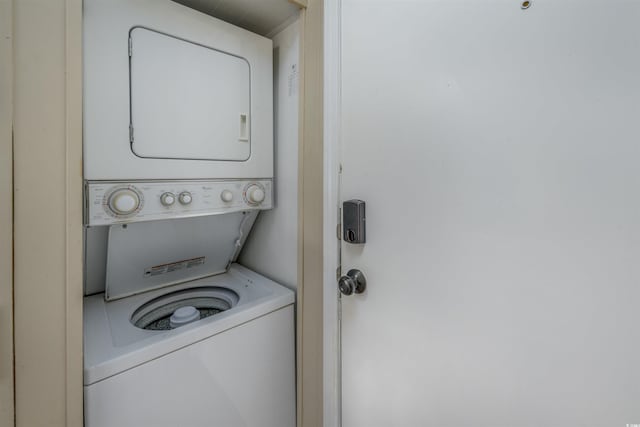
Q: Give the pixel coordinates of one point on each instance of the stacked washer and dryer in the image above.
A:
(178, 163)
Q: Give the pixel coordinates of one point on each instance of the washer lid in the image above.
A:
(150, 255)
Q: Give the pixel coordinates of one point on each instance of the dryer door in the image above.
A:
(188, 101)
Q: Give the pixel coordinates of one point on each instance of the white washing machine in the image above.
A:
(234, 368)
(183, 336)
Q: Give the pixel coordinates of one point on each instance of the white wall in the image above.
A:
(272, 247)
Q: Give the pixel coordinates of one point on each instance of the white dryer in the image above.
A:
(171, 93)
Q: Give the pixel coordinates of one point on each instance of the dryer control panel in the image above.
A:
(122, 202)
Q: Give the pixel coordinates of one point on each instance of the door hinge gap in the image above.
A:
(131, 134)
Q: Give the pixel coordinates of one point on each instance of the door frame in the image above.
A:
(47, 211)
(331, 214)
(7, 406)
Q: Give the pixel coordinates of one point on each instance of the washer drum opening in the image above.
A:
(155, 315)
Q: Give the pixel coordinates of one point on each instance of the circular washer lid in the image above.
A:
(182, 307)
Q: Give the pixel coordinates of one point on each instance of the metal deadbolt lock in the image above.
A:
(353, 282)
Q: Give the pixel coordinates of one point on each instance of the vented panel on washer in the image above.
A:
(149, 255)
(188, 101)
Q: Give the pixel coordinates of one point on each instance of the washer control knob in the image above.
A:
(124, 201)
(226, 196)
(185, 198)
(167, 199)
(254, 194)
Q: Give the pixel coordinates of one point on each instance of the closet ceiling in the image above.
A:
(264, 17)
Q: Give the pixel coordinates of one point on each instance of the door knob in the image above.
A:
(353, 282)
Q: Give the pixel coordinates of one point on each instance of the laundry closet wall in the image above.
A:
(272, 246)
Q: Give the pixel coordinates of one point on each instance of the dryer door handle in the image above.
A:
(244, 128)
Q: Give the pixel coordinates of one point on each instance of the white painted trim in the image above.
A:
(47, 90)
(6, 215)
(331, 252)
(281, 27)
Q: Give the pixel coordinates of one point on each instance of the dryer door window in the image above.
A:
(188, 101)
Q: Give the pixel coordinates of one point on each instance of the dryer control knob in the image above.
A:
(124, 201)
(185, 198)
(167, 199)
(226, 196)
(254, 194)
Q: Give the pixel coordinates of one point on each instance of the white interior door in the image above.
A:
(498, 151)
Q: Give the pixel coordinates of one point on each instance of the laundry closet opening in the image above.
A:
(191, 142)
(272, 247)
